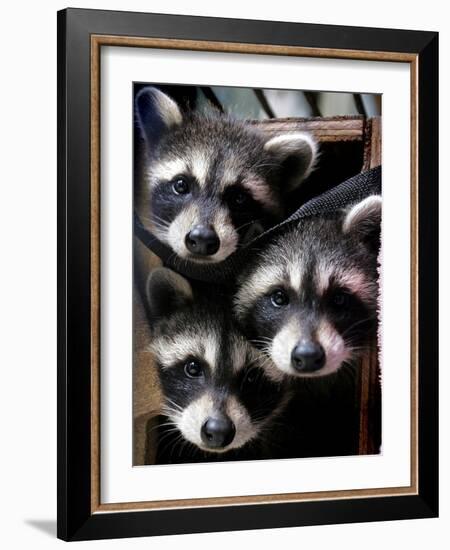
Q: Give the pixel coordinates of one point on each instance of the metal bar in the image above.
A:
(264, 103)
(311, 97)
(359, 104)
(211, 96)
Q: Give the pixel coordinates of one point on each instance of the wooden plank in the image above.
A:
(369, 400)
(146, 389)
(324, 128)
(372, 143)
(369, 386)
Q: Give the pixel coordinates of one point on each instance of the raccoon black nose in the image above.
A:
(218, 432)
(308, 356)
(202, 240)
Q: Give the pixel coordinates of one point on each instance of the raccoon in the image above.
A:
(220, 394)
(310, 300)
(211, 183)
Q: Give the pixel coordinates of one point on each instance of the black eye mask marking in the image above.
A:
(353, 319)
(259, 394)
(244, 209)
(237, 198)
(268, 314)
(349, 315)
(168, 198)
(185, 381)
(340, 300)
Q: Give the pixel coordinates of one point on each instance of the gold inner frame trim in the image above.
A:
(97, 41)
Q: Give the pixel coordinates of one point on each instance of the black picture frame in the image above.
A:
(76, 519)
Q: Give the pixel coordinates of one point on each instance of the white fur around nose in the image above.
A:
(188, 218)
(287, 338)
(283, 344)
(245, 430)
(336, 351)
(193, 417)
(226, 232)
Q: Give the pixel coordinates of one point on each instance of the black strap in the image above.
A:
(350, 191)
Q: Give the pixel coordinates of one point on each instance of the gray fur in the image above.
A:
(218, 156)
(310, 264)
(192, 328)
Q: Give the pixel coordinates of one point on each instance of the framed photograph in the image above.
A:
(247, 257)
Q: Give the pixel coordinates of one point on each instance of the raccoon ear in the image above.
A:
(156, 113)
(296, 154)
(364, 220)
(166, 292)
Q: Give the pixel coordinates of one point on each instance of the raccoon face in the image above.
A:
(310, 302)
(219, 392)
(213, 183)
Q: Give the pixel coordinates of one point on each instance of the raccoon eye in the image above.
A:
(193, 369)
(279, 298)
(180, 186)
(340, 299)
(237, 198)
(251, 376)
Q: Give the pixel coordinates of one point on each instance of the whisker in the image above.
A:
(248, 223)
(351, 327)
(173, 403)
